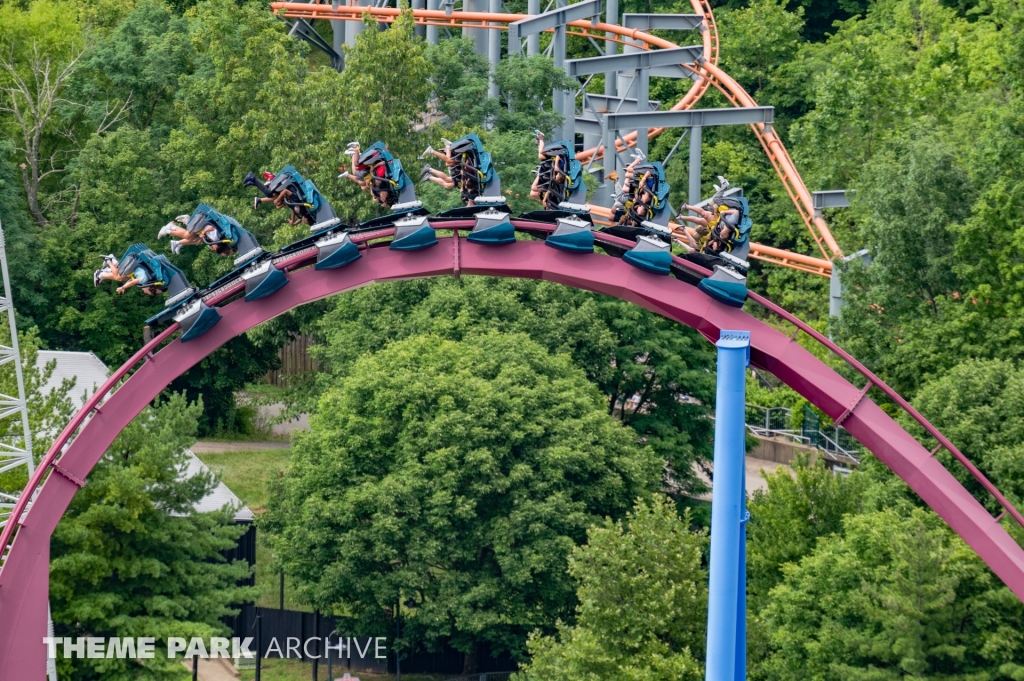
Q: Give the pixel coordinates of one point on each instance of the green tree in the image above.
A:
(759, 39)
(788, 519)
(459, 81)
(979, 406)
(625, 350)
(642, 594)
(458, 475)
(525, 84)
(141, 61)
(894, 597)
(41, 48)
(132, 558)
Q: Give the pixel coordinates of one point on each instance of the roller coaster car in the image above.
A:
(311, 204)
(492, 227)
(728, 283)
(183, 304)
(395, 183)
(560, 178)
(550, 217)
(649, 228)
(232, 234)
(573, 235)
(253, 265)
(475, 167)
(653, 218)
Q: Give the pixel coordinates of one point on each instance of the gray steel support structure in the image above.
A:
(301, 28)
(421, 31)
(593, 130)
(557, 19)
(830, 198)
(611, 47)
(433, 33)
(354, 28)
(532, 40)
(641, 65)
(694, 120)
(662, 22)
(338, 38)
(493, 50)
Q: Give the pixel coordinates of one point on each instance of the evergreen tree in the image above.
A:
(131, 557)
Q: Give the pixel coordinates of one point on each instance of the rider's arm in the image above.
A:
(127, 285)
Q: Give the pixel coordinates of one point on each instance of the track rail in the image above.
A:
(64, 468)
(707, 73)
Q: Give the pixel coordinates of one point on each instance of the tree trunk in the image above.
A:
(471, 662)
(32, 193)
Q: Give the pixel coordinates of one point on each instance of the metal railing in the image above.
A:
(485, 676)
(777, 422)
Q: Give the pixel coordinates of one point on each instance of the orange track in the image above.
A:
(708, 74)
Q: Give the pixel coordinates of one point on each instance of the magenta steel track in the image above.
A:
(24, 578)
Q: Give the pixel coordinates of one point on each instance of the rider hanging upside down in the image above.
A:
(559, 183)
(138, 267)
(468, 168)
(456, 176)
(206, 226)
(288, 189)
(377, 171)
(717, 227)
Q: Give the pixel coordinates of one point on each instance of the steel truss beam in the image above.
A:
(691, 118)
(830, 198)
(517, 30)
(663, 22)
(634, 61)
(604, 104)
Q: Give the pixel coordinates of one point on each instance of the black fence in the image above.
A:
(290, 633)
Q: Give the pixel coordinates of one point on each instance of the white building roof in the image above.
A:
(86, 368)
(90, 373)
(220, 496)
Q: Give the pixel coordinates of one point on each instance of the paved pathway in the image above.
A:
(210, 447)
(213, 670)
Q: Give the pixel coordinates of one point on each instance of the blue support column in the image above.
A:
(741, 585)
(726, 605)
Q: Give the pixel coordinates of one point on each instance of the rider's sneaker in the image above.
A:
(96, 277)
(109, 258)
(165, 230)
(250, 180)
(445, 142)
(176, 247)
(255, 203)
(427, 152)
(425, 173)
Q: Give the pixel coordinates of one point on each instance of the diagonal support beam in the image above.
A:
(634, 61)
(303, 29)
(547, 21)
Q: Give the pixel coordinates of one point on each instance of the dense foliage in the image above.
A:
(498, 398)
(131, 558)
(653, 561)
(457, 475)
